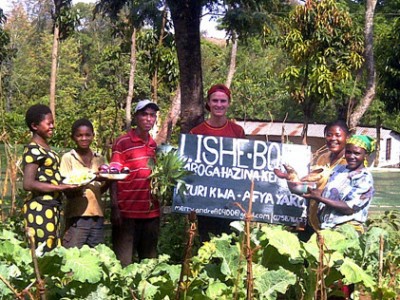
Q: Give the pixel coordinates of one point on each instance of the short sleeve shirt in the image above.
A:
(356, 188)
(230, 129)
(133, 193)
(89, 202)
(48, 171)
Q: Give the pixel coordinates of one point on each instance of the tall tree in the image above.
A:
(324, 51)
(4, 41)
(137, 13)
(186, 15)
(64, 24)
(369, 93)
(388, 58)
(4, 37)
(246, 18)
(232, 61)
(154, 81)
(259, 94)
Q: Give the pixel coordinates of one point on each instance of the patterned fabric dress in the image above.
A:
(356, 188)
(42, 210)
(323, 162)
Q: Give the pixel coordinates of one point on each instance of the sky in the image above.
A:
(206, 25)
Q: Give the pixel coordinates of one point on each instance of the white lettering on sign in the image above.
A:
(223, 169)
(196, 190)
(234, 173)
(229, 194)
(210, 192)
(265, 198)
(287, 219)
(290, 200)
(212, 151)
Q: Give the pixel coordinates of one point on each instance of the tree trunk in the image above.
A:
(185, 15)
(53, 73)
(128, 108)
(154, 82)
(304, 133)
(164, 134)
(232, 64)
(378, 141)
(370, 66)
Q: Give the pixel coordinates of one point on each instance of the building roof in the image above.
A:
(295, 129)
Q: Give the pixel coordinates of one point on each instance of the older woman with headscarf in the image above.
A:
(348, 193)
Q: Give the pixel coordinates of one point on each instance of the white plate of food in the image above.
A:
(115, 176)
(80, 179)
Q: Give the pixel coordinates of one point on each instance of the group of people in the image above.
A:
(134, 212)
(43, 178)
(343, 198)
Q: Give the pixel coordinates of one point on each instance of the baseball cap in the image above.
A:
(142, 104)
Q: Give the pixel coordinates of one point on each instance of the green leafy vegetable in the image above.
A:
(168, 172)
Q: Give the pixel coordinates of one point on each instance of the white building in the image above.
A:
(389, 153)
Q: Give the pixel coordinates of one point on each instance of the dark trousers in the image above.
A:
(81, 231)
(216, 226)
(138, 236)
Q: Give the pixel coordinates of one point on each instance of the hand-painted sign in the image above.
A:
(223, 170)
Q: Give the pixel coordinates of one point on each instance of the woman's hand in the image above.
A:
(30, 183)
(312, 194)
(72, 190)
(336, 204)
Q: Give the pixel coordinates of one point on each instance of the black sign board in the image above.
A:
(223, 170)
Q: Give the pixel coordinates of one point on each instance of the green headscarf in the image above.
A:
(363, 141)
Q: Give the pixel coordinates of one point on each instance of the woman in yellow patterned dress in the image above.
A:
(42, 179)
(336, 134)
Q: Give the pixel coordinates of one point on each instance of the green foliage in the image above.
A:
(172, 238)
(4, 38)
(259, 93)
(168, 171)
(388, 66)
(217, 270)
(384, 228)
(215, 58)
(15, 260)
(158, 57)
(253, 18)
(324, 48)
(92, 77)
(66, 18)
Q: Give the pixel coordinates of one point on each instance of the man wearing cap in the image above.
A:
(218, 102)
(135, 215)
